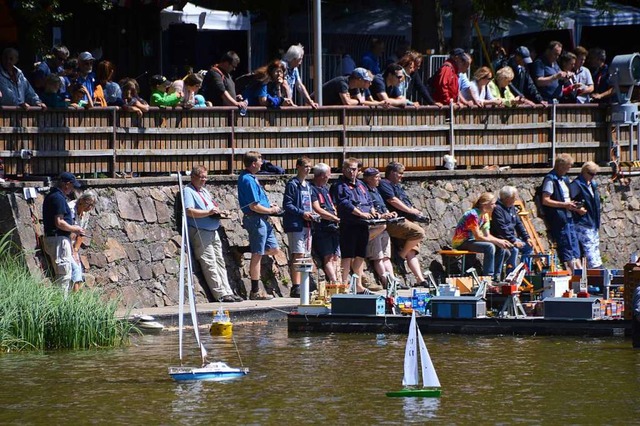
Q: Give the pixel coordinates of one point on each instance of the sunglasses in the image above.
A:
(591, 174)
(399, 77)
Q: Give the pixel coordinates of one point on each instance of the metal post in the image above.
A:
(317, 54)
(452, 148)
(553, 132)
(631, 142)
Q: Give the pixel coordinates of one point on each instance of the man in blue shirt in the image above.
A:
(546, 72)
(58, 224)
(256, 208)
(86, 76)
(203, 221)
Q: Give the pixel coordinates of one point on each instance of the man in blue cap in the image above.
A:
(58, 226)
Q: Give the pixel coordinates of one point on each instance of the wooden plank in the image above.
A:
(54, 130)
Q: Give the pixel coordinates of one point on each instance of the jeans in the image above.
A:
(492, 258)
(512, 261)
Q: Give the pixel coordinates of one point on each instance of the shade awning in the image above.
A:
(204, 19)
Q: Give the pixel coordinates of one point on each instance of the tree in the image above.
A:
(40, 15)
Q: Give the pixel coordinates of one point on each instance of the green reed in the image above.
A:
(37, 316)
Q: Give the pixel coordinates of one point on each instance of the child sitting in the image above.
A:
(52, 97)
(132, 102)
(159, 95)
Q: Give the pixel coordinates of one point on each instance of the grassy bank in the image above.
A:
(36, 316)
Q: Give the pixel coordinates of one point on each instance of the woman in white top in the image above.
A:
(477, 90)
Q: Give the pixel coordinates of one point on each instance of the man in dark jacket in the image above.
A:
(298, 215)
(506, 224)
(522, 83)
(559, 210)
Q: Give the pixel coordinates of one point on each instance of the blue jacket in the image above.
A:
(505, 223)
(557, 217)
(293, 206)
(580, 192)
(348, 196)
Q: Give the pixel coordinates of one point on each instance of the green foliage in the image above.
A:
(34, 316)
(39, 15)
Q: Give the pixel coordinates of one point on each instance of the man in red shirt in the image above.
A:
(445, 82)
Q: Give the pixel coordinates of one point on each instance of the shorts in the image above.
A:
(353, 240)
(380, 247)
(262, 238)
(300, 242)
(326, 242)
(405, 231)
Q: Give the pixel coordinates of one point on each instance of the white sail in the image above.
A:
(411, 377)
(429, 376)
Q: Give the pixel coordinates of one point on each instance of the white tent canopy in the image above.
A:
(204, 19)
(618, 14)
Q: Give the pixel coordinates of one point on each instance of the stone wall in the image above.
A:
(133, 247)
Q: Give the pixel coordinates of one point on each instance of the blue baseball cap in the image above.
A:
(69, 177)
(524, 52)
(361, 73)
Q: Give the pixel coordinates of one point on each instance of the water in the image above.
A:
(329, 379)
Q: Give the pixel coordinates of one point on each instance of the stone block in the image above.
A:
(132, 251)
(114, 251)
(170, 249)
(134, 231)
(158, 195)
(158, 269)
(163, 212)
(145, 271)
(171, 266)
(145, 253)
(128, 206)
(157, 251)
(98, 260)
(108, 221)
(148, 210)
(132, 272)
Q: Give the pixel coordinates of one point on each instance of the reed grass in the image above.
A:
(36, 316)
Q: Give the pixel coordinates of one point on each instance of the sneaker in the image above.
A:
(259, 296)
(229, 298)
(238, 298)
(366, 291)
(374, 287)
(295, 292)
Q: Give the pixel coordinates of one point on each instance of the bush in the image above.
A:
(36, 316)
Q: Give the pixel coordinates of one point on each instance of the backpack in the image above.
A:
(244, 82)
(537, 198)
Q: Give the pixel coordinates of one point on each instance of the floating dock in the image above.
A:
(530, 326)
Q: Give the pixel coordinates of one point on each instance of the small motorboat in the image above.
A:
(212, 371)
(147, 323)
(221, 325)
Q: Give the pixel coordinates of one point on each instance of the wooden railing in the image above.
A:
(106, 141)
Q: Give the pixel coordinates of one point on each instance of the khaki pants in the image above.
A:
(59, 251)
(207, 248)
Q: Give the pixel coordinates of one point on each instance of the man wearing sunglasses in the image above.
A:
(386, 87)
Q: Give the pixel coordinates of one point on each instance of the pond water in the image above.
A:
(330, 379)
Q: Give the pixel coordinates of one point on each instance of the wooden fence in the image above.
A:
(106, 141)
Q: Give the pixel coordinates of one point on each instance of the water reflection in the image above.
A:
(420, 409)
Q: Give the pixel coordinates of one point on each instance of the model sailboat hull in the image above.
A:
(424, 393)
(215, 371)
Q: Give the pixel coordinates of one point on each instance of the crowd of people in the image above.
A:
(345, 226)
(61, 81)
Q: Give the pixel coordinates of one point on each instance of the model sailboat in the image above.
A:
(416, 348)
(208, 370)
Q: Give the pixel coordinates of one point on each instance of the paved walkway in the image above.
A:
(284, 304)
